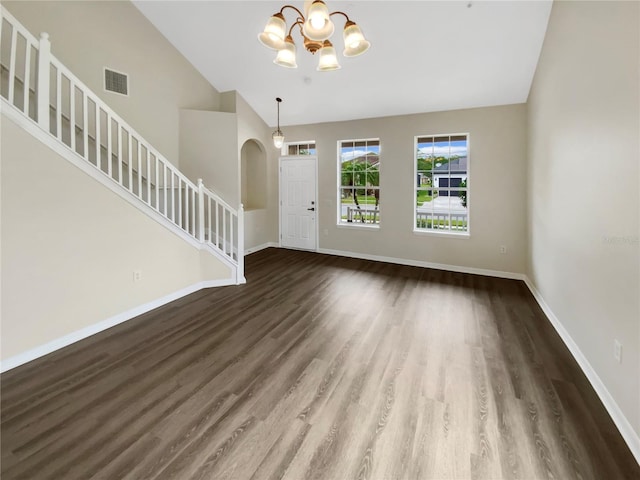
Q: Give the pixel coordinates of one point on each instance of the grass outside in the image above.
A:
(423, 196)
(362, 200)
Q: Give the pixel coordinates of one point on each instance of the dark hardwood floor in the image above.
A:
(320, 367)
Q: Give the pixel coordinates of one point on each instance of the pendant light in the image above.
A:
(278, 136)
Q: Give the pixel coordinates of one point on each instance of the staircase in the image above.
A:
(38, 89)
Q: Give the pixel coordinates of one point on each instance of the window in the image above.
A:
(299, 148)
(442, 183)
(359, 182)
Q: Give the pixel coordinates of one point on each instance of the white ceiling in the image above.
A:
(425, 55)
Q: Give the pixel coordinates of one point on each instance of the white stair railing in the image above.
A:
(220, 225)
(34, 81)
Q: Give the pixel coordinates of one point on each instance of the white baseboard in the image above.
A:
(85, 332)
(420, 263)
(260, 247)
(626, 430)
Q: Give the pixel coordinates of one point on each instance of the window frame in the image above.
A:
(285, 148)
(437, 232)
(339, 222)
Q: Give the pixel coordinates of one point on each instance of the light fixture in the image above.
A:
(287, 56)
(328, 59)
(315, 29)
(278, 136)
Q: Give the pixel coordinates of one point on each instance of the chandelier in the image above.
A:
(315, 29)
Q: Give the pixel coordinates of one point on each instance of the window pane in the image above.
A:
(373, 178)
(307, 148)
(424, 148)
(359, 181)
(423, 179)
(359, 178)
(425, 164)
(360, 206)
(441, 183)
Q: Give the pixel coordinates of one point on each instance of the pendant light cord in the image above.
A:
(278, 99)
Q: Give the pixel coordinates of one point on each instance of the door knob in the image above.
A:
(312, 209)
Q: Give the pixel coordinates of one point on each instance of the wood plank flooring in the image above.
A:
(320, 367)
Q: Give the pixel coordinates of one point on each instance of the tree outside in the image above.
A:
(360, 176)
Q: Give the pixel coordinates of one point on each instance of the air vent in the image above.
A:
(116, 82)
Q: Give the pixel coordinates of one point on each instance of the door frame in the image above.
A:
(317, 216)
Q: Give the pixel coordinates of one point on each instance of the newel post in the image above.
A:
(240, 271)
(44, 69)
(200, 210)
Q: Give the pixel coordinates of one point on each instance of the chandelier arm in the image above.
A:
(337, 12)
(300, 22)
(291, 6)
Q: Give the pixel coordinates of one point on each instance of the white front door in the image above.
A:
(298, 203)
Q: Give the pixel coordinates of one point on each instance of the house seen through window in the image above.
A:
(442, 183)
(359, 182)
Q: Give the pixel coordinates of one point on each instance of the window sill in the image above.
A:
(355, 225)
(436, 233)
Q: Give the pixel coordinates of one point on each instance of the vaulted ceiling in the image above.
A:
(425, 55)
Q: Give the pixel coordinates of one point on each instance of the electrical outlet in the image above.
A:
(137, 275)
(503, 249)
(617, 351)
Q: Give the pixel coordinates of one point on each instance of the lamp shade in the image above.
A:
(318, 26)
(287, 56)
(273, 34)
(278, 139)
(328, 59)
(354, 41)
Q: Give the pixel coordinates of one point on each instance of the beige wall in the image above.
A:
(261, 225)
(253, 168)
(209, 150)
(70, 246)
(583, 183)
(88, 36)
(496, 196)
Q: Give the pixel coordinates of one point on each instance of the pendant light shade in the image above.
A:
(274, 32)
(328, 59)
(318, 25)
(278, 136)
(287, 56)
(278, 139)
(354, 42)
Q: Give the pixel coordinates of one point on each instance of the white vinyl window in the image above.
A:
(299, 148)
(359, 182)
(441, 183)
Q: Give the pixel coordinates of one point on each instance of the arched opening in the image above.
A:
(253, 174)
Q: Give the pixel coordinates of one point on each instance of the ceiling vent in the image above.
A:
(116, 82)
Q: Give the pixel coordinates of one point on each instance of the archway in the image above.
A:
(253, 174)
